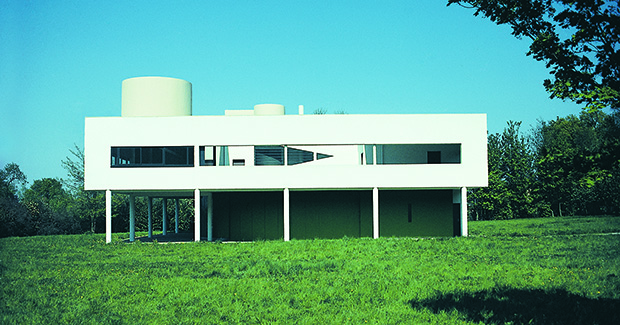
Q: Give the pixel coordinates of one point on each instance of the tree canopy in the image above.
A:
(578, 41)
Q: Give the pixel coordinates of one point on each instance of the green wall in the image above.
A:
(330, 214)
(431, 213)
(248, 215)
(333, 214)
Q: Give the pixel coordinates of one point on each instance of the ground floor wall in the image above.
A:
(245, 216)
(331, 214)
(417, 213)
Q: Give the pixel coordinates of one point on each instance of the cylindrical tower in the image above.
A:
(156, 96)
(268, 109)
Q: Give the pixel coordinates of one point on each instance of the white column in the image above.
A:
(196, 156)
(196, 215)
(164, 217)
(210, 217)
(374, 154)
(464, 211)
(108, 216)
(150, 211)
(287, 228)
(176, 216)
(285, 155)
(375, 212)
(132, 218)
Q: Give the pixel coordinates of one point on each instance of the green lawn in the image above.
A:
(540, 271)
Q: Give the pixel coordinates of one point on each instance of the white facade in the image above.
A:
(356, 152)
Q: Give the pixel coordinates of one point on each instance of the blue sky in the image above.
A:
(62, 61)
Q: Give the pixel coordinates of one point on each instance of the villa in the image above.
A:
(263, 174)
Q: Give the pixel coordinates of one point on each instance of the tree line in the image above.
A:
(566, 166)
(51, 206)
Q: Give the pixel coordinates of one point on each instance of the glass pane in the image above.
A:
(175, 155)
(297, 156)
(152, 156)
(268, 155)
(369, 154)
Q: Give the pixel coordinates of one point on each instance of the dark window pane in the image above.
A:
(297, 156)
(152, 156)
(433, 157)
(175, 155)
(268, 155)
(127, 156)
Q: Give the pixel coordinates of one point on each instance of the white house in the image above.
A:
(261, 174)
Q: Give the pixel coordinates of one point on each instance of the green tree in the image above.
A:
(14, 219)
(49, 207)
(577, 162)
(89, 206)
(577, 40)
(510, 193)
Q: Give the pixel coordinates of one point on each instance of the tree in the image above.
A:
(13, 215)
(49, 206)
(510, 193)
(10, 177)
(89, 205)
(577, 39)
(578, 163)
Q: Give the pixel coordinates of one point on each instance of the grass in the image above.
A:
(540, 271)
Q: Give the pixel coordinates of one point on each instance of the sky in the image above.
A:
(62, 61)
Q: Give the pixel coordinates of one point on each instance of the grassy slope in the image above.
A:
(509, 271)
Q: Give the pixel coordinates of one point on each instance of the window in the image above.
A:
(238, 162)
(409, 214)
(176, 156)
(298, 156)
(407, 154)
(320, 156)
(269, 155)
(369, 154)
(207, 156)
(433, 157)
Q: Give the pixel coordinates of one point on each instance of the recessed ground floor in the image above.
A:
(307, 214)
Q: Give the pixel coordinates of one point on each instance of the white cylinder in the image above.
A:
(268, 109)
(156, 96)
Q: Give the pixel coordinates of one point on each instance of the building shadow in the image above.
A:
(521, 306)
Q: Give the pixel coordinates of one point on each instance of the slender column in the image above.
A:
(164, 221)
(197, 156)
(132, 218)
(196, 215)
(108, 216)
(375, 212)
(287, 227)
(176, 216)
(150, 208)
(210, 217)
(464, 211)
(374, 154)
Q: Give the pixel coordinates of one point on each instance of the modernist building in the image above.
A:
(261, 174)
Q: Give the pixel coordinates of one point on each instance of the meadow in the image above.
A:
(529, 271)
